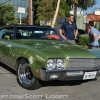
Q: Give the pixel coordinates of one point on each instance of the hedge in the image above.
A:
(83, 40)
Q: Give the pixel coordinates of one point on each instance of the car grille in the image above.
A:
(83, 63)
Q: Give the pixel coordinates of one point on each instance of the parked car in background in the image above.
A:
(39, 53)
(81, 32)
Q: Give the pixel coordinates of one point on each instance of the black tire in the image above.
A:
(25, 76)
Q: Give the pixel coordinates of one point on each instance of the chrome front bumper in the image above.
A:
(69, 74)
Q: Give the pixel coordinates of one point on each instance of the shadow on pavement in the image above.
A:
(65, 83)
(8, 68)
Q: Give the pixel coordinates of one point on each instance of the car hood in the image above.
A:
(58, 49)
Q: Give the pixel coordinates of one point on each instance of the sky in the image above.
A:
(95, 7)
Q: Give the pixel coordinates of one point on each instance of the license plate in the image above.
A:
(89, 75)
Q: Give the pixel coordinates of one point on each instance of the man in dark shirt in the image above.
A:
(69, 30)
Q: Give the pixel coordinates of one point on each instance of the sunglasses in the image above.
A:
(71, 18)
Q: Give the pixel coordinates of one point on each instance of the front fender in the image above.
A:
(35, 60)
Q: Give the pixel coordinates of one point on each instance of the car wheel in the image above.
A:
(25, 76)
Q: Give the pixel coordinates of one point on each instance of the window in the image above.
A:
(15, 2)
(8, 31)
(23, 3)
(19, 3)
(37, 33)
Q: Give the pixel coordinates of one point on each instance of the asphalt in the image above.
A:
(54, 90)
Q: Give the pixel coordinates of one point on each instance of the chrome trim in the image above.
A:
(83, 63)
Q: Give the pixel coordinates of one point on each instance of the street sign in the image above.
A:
(21, 10)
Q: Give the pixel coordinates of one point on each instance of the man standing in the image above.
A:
(94, 35)
(70, 30)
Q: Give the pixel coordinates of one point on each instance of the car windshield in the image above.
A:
(37, 33)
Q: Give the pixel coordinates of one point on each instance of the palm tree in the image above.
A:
(55, 15)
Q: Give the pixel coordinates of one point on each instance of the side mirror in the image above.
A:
(7, 37)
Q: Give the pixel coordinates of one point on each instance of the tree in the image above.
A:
(45, 9)
(83, 4)
(65, 7)
(7, 15)
(35, 4)
(56, 13)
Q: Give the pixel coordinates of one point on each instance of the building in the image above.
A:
(95, 18)
(79, 13)
(97, 12)
(16, 4)
(79, 19)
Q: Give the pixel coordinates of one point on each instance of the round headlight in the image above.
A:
(51, 64)
(60, 63)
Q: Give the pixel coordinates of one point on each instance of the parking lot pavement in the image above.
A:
(55, 90)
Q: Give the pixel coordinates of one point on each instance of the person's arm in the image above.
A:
(98, 36)
(61, 33)
(94, 37)
(76, 33)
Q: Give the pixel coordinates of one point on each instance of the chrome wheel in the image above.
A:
(25, 74)
(25, 77)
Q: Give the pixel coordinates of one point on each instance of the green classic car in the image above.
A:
(39, 53)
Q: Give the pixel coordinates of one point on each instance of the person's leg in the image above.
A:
(71, 41)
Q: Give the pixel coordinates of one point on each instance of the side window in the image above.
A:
(23, 34)
(7, 32)
(1, 32)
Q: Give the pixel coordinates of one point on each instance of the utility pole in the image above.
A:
(30, 13)
(75, 9)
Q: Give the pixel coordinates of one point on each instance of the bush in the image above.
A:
(83, 40)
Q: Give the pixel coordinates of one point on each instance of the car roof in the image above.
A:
(17, 25)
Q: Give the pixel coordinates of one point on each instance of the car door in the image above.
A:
(6, 45)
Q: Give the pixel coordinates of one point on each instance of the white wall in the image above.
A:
(97, 12)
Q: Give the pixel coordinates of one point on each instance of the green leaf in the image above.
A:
(7, 14)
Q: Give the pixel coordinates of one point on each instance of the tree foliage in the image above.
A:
(45, 9)
(83, 4)
(7, 14)
(65, 7)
